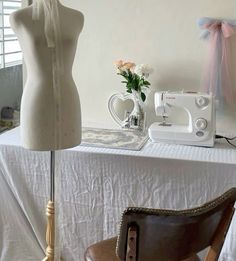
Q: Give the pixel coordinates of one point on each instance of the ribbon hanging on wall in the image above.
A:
(218, 77)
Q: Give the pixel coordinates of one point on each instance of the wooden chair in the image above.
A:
(168, 235)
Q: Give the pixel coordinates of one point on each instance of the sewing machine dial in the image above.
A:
(202, 101)
(201, 124)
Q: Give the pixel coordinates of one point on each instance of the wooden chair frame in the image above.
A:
(219, 238)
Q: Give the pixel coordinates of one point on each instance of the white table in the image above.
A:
(96, 184)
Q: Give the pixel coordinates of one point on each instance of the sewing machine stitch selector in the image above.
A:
(202, 101)
(201, 124)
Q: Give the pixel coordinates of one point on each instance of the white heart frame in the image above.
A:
(123, 97)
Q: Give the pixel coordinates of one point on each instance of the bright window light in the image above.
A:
(10, 51)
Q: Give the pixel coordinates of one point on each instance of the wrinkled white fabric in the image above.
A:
(97, 184)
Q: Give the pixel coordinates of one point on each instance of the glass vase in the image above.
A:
(136, 119)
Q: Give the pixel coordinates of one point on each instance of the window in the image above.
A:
(10, 52)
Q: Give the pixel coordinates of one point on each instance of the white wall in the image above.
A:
(162, 33)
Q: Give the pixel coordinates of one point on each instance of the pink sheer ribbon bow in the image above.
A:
(217, 78)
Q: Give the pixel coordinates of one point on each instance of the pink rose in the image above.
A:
(128, 65)
(118, 63)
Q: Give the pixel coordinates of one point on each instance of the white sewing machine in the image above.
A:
(200, 129)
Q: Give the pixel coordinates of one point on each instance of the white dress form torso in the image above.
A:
(38, 100)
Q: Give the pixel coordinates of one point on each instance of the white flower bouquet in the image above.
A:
(135, 76)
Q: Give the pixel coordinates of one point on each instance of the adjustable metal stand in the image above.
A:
(50, 212)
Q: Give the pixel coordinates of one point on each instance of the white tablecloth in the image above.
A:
(96, 185)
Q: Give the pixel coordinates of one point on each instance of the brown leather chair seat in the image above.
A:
(106, 251)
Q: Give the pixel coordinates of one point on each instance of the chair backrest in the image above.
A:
(170, 235)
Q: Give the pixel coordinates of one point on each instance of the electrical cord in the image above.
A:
(227, 139)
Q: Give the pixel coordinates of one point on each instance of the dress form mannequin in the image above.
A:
(38, 101)
(49, 121)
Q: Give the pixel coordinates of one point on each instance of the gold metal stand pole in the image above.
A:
(50, 212)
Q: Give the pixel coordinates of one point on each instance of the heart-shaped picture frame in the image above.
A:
(111, 102)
